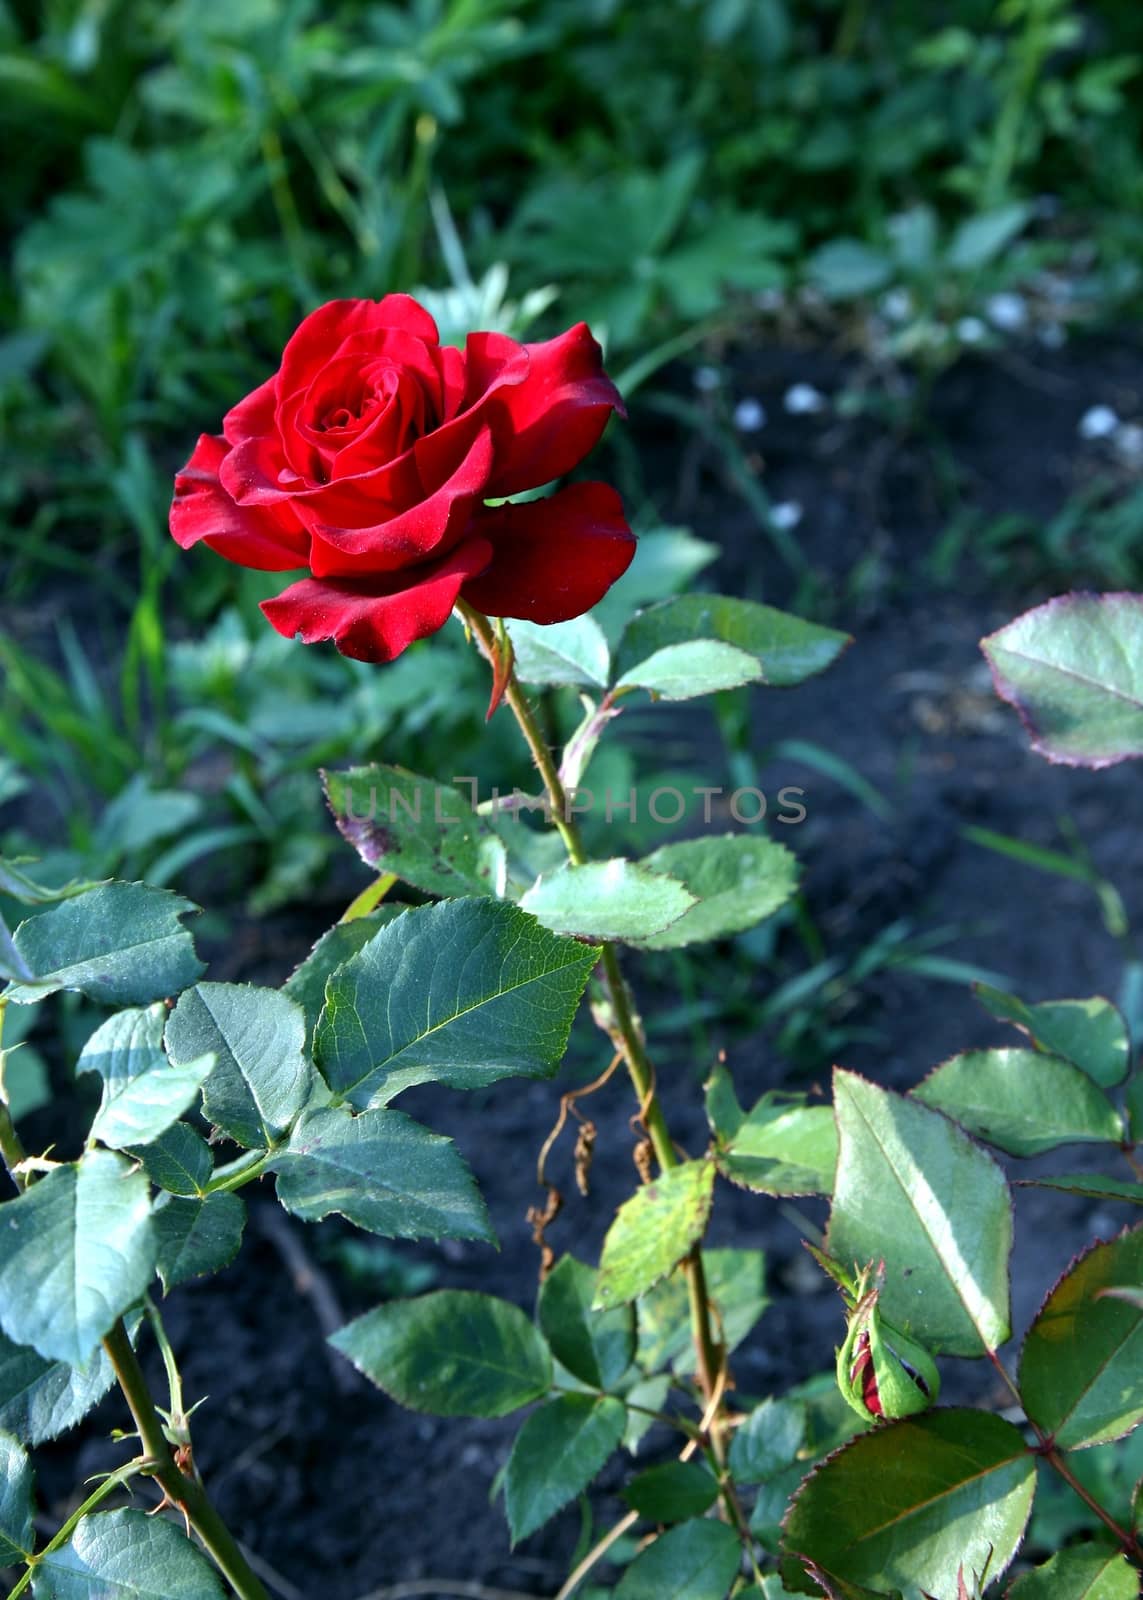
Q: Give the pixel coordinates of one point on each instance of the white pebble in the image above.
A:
(1007, 311)
(749, 416)
(802, 400)
(1098, 422)
(970, 330)
(1128, 441)
(897, 304)
(785, 515)
(705, 379)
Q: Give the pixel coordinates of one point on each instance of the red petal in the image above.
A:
(552, 559)
(411, 536)
(253, 416)
(325, 330)
(555, 416)
(252, 536)
(376, 621)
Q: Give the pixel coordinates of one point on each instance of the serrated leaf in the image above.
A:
(129, 1555)
(40, 1399)
(781, 1147)
(1084, 1572)
(689, 670)
(556, 1454)
(121, 944)
(913, 1188)
(381, 1171)
(196, 1237)
(648, 1395)
(786, 649)
(424, 832)
(1091, 1034)
(462, 993)
(696, 1560)
(453, 1353)
(736, 879)
(565, 652)
(597, 1347)
(1081, 1368)
(653, 1231)
(17, 1533)
(614, 899)
(672, 1492)
(143, 1092)
(1022, 1101)
(736, 1287)
(904, 1506)
(306, 984)
(1073, 668)
(262, 1076)
(76, 1249)
(768, 1441)
(179, 1160)
(1091, 1184)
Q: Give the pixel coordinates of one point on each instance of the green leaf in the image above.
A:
(306, 984)
(463, 993)
(1091, 1184)
(17, 1533)
(597, 1347)
(425, 832)
(981, 238)
(76, 1249)
(40, 1399)
(1091, 1034)
(121, 944)
(262, 1076)
(614, 899)
(381, 1171)
(696, 1561)
(691, 669)
(196, 1237)
(179, 1160)
(649, 1394)
(904, 1506)
(565, 652)
(844, 269)
(143, 1092)
(1084, 1572)
(903, 1175)
(781, 1147)
(736, 1286)
(128, 1555)
(1073, 668)
(768, 1441)
(737, 880)
(672, 1492)
(785, 649)
(666, 560)
(653, 1231)
(1022, 1101)
(1081, 1368)
(556, 1454)
(452, 1353)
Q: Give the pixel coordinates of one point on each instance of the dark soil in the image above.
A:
(339, 1490)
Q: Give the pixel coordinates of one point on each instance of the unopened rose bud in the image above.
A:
(881, 1371)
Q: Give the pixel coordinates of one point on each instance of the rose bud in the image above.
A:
(881, 1371)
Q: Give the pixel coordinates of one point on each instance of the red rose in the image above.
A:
(367, 459)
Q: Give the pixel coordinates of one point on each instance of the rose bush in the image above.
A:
(368, 459)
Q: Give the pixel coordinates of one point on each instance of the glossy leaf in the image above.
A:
(122, 944)
(76, 1249)
(424, 832)
(40, 1399)
(1083, 1572)
(1091, 1034)
(306, 984)
(566, 652)
(1081, 1368)
(672, 1491)
(737, 880)
(696, 1560)
(653, 1231)
(693, 668)
(262, 1076)
(462, 993)
(607, 900)
(453, 1353)
(913, 1188)
(196, 1237)
(179, 1160)
(905, 1505)
(129, 1555)
(787, 649)
(768, 1441)
(17, 1534)
(1073, 668)
(1092, 1184)
(1022, 1101)
(597, 1347)
(736, 1285)
(781, 1147)
(556, 1454)
(143, 1092)
(381, 1171)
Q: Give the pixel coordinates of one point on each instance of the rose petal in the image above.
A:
(325, 330)
(251, 536)
(252, 417)
(552, 559)
(376, 621)
(433, 524)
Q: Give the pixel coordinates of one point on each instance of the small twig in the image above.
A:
(594, 1555)
(312, 1284)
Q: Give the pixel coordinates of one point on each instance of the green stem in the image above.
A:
(239, 1172)
(113, 1480)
